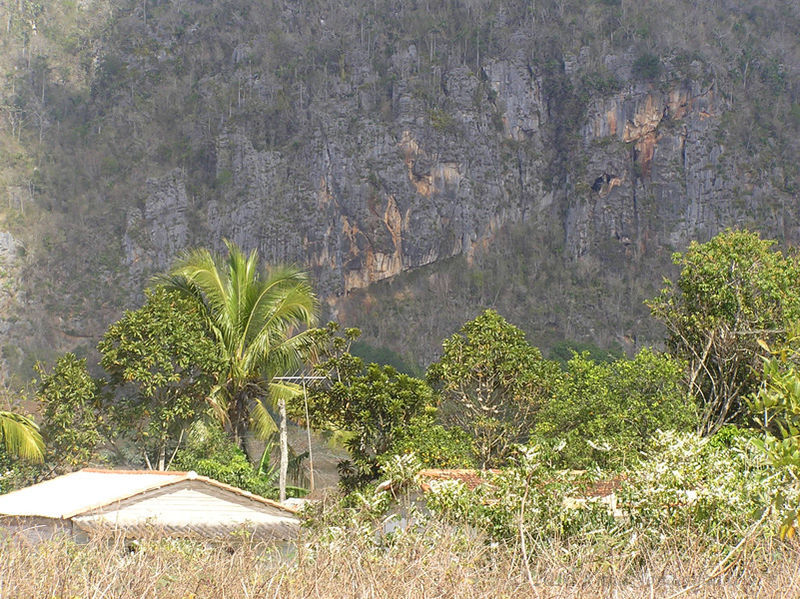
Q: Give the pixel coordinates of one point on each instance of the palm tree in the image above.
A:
(261, 326)
(20, 436)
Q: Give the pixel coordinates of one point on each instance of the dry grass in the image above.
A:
(439, 563)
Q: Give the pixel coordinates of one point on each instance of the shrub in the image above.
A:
(684, 482)
(716, 486)
(527, 493)
(434, 445)
(776, 406)
(209, 452)
(647, 67)
(733, 294)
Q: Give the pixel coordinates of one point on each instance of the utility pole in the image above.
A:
(302, 380)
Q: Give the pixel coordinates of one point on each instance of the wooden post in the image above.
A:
(310, 451)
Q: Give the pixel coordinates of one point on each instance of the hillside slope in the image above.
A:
(424, 159)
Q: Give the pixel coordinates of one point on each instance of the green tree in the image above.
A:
(163, 363)
(492, 383)
(259, 324)
(71, 405)
(369, 406)
(20, 436)
(732, 292)
(776, 407)
(607, 412)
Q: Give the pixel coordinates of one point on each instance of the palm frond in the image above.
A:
(283, 390)
(285, 298)
(290, 354)
(261, 421)
(218, 401)
(274, 319)
(20, 436)
(202, 269)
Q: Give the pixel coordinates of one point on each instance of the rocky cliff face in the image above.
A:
(525, 162)
(363, 200)
(363, 203)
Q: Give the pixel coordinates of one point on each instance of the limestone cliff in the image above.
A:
(423, 162)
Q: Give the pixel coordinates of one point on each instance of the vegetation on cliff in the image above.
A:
(542, 159)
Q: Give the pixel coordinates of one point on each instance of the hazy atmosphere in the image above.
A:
(473, 283)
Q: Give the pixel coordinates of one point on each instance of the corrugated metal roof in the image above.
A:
(90, 489)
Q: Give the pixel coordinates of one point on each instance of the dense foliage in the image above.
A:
(193, 350)
(210, 452)
(500, 392)
(72, 412)
(162, 364)
(595, 448)
(434, 445)
(776, 409)
(686, 490)
(492, 383)
(607, 412)
(371, 404)
(259, 322)
(733, 292)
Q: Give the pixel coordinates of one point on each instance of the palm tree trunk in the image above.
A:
(239, 423)
(284, 451)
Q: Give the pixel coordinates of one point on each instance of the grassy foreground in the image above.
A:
(436, 562)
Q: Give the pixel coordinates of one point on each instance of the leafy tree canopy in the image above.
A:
(164, 363)
(492, 383)
(371, 405)
(71, 402)
(606, 413)
(434, 445)
(732, 292)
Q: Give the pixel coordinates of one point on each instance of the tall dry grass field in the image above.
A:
(439, 562)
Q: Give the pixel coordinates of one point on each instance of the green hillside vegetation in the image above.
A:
(727, 499)
(566, 312)
(98, 97)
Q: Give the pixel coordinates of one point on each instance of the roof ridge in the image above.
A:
(243, 493)
(116, 471)
(128, 495)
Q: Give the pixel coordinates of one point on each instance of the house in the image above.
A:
(138, 502)
(412, 499)
(585, 493)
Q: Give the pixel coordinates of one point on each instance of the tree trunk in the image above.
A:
(239, 424)
(284, 451)
(162, 457)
